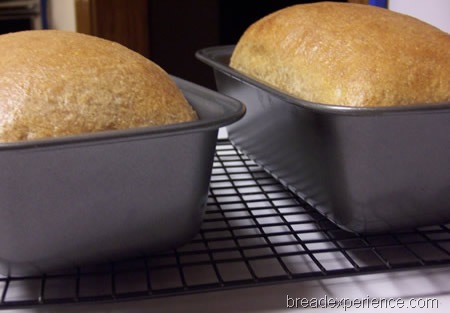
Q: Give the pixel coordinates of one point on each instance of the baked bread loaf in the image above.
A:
(56, 83)
(347, 54)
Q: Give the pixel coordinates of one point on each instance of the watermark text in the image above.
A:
(327, 302)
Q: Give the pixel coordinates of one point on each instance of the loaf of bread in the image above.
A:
(56, 83)
(347, 54)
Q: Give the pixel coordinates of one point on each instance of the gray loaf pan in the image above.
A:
(76, 200)
(366, 169)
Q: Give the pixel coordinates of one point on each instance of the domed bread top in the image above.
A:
(347, 54)
(56, 83)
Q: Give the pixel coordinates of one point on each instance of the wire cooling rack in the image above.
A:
(255, 232)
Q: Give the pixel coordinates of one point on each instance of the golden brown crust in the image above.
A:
(347, 54)
(56, 83)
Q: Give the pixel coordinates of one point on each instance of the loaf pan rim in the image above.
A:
(209, 56)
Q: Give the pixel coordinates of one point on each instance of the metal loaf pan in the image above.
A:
(366, 169)
(95, 197)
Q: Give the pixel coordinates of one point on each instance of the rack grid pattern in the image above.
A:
(255, 232)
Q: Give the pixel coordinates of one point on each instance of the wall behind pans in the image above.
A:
(435, 12)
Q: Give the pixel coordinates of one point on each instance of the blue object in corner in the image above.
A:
(378, 3)
(44, 16)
